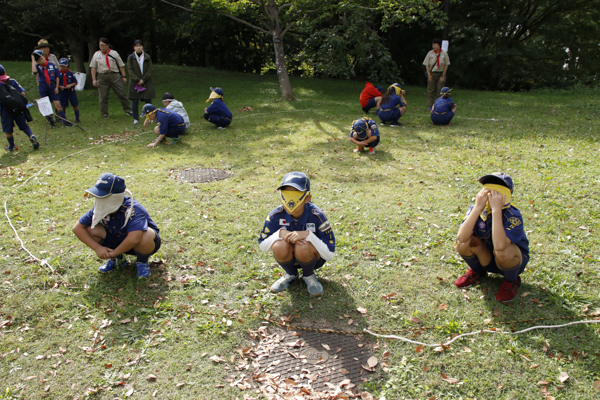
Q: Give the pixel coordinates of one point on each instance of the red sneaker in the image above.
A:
(508, 291)
(469, 279)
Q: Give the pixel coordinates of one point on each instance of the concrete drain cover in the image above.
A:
(202, 175)
(322, 360)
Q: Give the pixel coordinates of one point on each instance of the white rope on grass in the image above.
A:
(479, 332)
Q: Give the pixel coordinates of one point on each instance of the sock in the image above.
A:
(28, 132)
(511, 275)
(308, 268)
(63, 115)
(77, 116)
(288, 266)
(11, 141)
(50, 119)
(142, 258)
(473, 263)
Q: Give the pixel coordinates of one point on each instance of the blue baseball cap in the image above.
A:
(217, 90)
(106, 185)
(64, 62)
(445, 90)
(37, 54)
(297, 180)
(380, 88)
(498, 178)
(360, 128)
(147, 109)
(2, 70)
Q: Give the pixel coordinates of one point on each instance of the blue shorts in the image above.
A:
(112, 242)
(67, 96)
(8, 121)
(493, 267)
(442, 119)
(390, 115)
(175, 132)
(374, 143)
(44, 91)
(217, 119)
(372, 103)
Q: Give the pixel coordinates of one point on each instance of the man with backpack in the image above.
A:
(13, 108)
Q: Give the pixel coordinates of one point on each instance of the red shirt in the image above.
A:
(368, 93)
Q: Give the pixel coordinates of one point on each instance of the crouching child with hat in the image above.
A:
(118, 225)
(217, 113)
(170, 124)
(364, 133)
(492, 237)
(444, 108)
(298, 234)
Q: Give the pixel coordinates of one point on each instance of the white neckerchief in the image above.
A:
(140, 60)
(109, 205)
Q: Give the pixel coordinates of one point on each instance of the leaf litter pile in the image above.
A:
(278, 367)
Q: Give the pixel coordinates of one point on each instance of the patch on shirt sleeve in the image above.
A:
(310, 227)
(283, 222)
(263, 235)
(325, 226)
(267, 230)
(514, 222)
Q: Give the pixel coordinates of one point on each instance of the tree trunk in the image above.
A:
(282, 74)
(77, 54)
(93, 39)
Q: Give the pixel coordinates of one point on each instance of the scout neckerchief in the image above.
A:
(107, 62)
(292, 199)
(500, 189)
(438, 57)
(45, 69)
(65, 77)
(214, 96)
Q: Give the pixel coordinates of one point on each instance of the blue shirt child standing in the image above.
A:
(66, 83)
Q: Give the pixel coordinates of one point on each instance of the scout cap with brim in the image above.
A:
(498, 178)
(106, 185)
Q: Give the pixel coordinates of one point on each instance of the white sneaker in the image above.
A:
(283, 282)
(135, 122)
(221, 127)
(313, 285)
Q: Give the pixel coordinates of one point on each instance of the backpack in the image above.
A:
(11, 99)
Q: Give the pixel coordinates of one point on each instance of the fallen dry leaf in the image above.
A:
(534, 366)
(343, 371)
(439, 349)
(151, 377)
(451, 381)
(326, 347)
(366, 396)
(415, 320)
(563, 377)
(466, 349)
(372, 362)
(419, 349)
(350, 321)
(180, 384)
(544, 382)
(361, 310)
(126, 321)
(443, 306)
(596, 385)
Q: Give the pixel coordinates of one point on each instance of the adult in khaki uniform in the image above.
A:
(436, 62)
(108, 71)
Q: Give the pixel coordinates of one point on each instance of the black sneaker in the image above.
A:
(9, 148)
(130, 113)
(105, 116)
(34, 142)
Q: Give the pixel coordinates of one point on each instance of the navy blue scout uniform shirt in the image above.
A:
(113, 224)
(372, 126)
(171, 123)
(218, 107)
(70, 78)
(513, 227)
(442, 105)
(52, 74)
(312, 219)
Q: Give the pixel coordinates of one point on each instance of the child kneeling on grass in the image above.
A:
(299, 235)
(13, 110)
(444, 108)
(175, 105)
(487, 249)
(217, 113)
(170, 124)
(118, 225)
(364, 133)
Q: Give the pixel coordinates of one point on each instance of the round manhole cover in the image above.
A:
(314, 356)
(202, 175)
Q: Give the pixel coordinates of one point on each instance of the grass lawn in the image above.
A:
(395, 216)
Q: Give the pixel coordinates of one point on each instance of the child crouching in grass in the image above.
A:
(364, 133)
(298, 234)
(118, 225)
